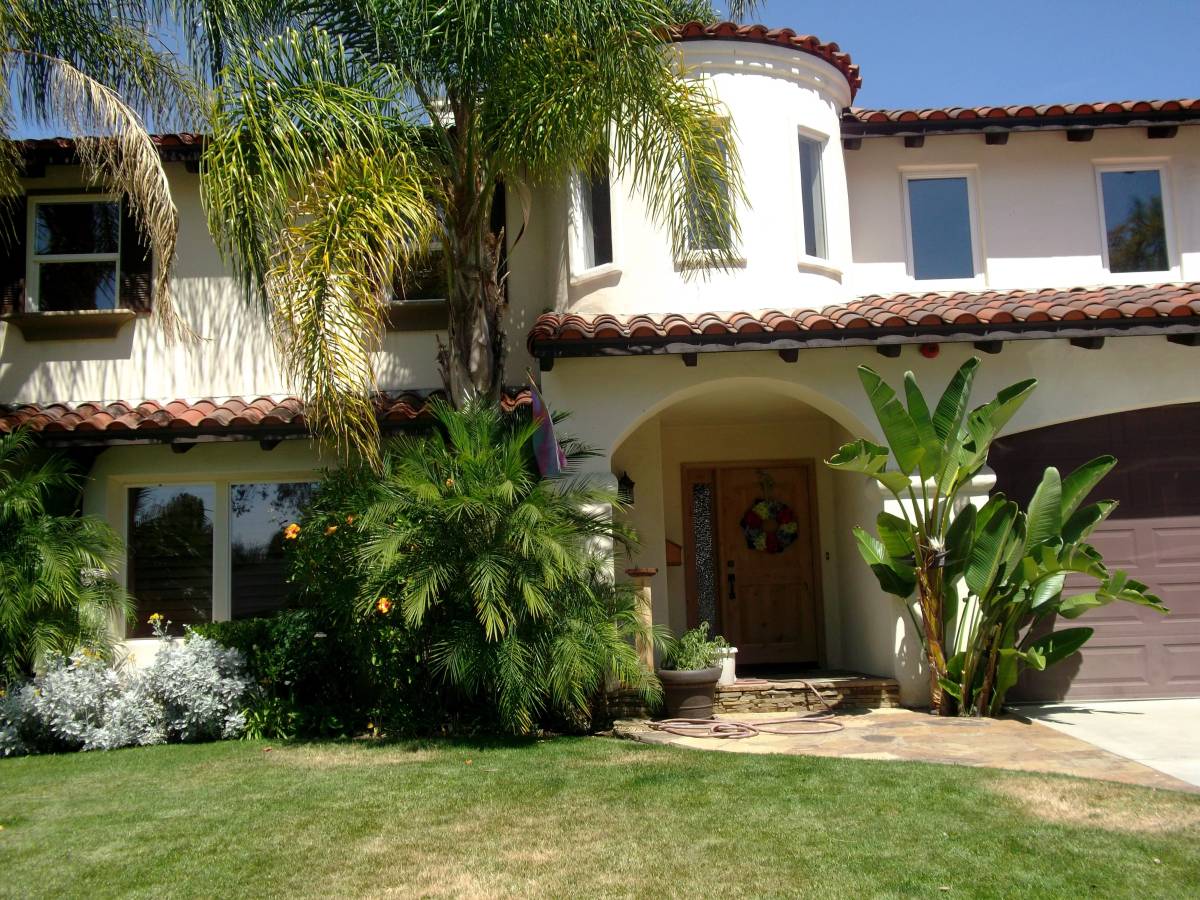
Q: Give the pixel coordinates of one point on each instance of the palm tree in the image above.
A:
(56, 588)
(500, 571)
(88, 66)
(358, 132)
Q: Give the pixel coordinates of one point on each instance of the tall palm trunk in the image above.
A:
(472, 359)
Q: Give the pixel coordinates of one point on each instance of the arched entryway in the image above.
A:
(751, 532)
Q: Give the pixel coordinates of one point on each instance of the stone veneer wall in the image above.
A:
(784, 695)
(792, 695)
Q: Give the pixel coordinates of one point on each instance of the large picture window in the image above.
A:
(214, 551)
(75, 250)
(258, 514)
(1134, 224)
(171, 554)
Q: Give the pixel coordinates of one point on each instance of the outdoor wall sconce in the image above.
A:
(625, 489)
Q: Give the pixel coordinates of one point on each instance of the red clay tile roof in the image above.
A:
(890, 121)
(176, 146)
(867, 319)
(781, 37)
(234, 416)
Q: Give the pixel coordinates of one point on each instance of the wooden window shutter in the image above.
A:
(137, 266)
(12, 256)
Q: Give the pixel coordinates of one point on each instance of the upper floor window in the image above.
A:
(74, 253)
(708, 229)
(594, 232)
(1134, 224)
(812, 197)
(941, 226)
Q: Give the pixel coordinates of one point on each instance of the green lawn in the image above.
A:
(572, 817)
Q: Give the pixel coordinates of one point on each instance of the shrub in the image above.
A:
(694, 650)
(193, 690)
(56, 588)
(500, 572)
(319, 673)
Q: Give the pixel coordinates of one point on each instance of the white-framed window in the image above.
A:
(941, 225)
(74, 252)
(1135, 216)
(704, 234)
(200, 551)
(592, 233)
(812, 196)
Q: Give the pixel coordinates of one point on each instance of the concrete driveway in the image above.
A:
(1161, 734)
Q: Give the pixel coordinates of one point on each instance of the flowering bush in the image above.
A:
(193, 690)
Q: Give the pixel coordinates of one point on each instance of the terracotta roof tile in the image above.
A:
(875, 316)
(860, 121)
(185, 418)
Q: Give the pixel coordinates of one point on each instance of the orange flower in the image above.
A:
(291, 532)
(449, 482)
(384, 605)
(350, 520)
(330, 530)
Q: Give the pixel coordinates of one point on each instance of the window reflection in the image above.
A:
(1133, 218)
(258, 515)
(77, 228)
(171, 554)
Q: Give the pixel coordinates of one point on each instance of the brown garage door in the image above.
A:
(1154, 535)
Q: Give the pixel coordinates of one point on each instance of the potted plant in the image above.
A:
(689, 674)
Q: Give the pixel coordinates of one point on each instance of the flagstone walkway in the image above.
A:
(904, 734)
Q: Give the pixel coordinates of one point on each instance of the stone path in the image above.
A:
(904, 734)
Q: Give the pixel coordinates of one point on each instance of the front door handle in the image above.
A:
(732, 586)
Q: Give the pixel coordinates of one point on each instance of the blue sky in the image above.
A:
(916, 53)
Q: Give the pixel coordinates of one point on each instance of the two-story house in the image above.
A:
(1058, 242)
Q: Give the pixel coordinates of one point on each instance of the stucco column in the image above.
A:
(645, 611)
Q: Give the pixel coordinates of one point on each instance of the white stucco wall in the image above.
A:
(613, 399)
(235, 355)
(1038, 206)
(772, 95)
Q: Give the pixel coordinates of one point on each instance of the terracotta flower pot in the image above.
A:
(689, 694)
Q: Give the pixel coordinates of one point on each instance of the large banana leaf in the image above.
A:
(894, 576)
(931, 446)
(1077, 485)
(1058, 645)
(985, 422)
(952, 408)
(992, 544)
(898, 426)
(1044, 517)
(896, 536)
(960, 537)
(1083, 521)
(869, 459)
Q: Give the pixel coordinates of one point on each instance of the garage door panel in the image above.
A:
(1183, 665)
(1154, 535)
(1176, 545)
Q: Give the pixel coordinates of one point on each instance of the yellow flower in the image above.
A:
(330, 530)
(292, 532)
(154, 619)
(384, 605)
(449, 482)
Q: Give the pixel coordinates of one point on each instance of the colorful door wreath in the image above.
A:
(769, 525)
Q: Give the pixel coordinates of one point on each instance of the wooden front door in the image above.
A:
(752, 559)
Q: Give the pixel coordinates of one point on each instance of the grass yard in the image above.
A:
(572, 817)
